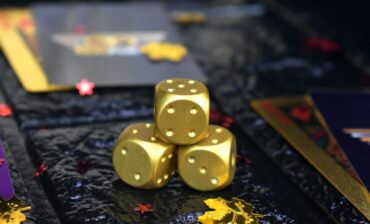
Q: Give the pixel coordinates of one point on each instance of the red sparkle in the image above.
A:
(215, 116)
(218, 117)
(302, 113)
(2, 161)
(143, 208)
(79, 29)
(85, 87)
(323, 44)
(40, 170)
(25, 23)
(5, 111)
(227, 121)
(244, 159)
(83, 166)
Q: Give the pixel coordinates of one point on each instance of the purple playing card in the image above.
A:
(6, 186)
(348, 117)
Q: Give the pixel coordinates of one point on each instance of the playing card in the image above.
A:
(347, 115)
(102, 43)
(296, 120)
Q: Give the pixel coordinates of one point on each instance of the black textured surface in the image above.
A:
(282, 66)
(98, 196)
(244, 58)
(28, 189)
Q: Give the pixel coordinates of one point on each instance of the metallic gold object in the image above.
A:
(159, 51)
(209, 164)
(187, 18)
(145, 156)
(141, 160)
(361, 134)
(11, 211)
(236, 211)
(181, 111)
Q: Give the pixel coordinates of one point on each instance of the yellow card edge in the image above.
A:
(327, 166)
(25, 64)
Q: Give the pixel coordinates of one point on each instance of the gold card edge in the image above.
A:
(327, 167)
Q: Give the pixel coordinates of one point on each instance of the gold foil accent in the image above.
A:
(11, 211)
(186, 18)
(159, 51)
(236, 211)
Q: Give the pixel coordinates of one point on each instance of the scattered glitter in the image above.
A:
(101, 144)
(223, 119)
(78, 184)
(244, 159)
(40, 170)
(76, 197)
(227, 121)
(83, 166)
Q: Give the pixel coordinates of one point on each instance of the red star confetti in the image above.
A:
(83, 166)
(40, 170)
(244, 159)
(218, 117)
(85, 87)
(325, 45)
(2, 161)
(302, 113)
(144, 208)
(215, 116)
(5, 111)
(25, 23)
(79, 29)
(227, 121)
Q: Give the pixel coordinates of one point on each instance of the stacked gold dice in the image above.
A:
(146, 155)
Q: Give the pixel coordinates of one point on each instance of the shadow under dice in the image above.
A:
(181, 111)
(209, 164)
(142, 160)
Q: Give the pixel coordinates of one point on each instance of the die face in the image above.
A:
(141, 160)
(165, 168)
(209, 164)
(181, 111)
(132, 164)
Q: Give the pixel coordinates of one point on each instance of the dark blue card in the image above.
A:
(348, 117)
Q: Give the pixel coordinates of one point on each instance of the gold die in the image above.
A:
(141, 160)
(181, 111)
(209, 164)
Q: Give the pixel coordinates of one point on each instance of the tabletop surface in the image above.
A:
(244, 58)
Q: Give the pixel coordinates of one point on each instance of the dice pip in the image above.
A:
(141, 160)
(181, 111)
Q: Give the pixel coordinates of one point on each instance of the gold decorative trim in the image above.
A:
(356, 193)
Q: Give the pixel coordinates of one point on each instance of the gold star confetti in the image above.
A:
(11, 211)
(236, 211)
(187, 18)
(159, 51)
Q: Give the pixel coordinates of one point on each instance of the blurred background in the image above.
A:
(343, 21)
